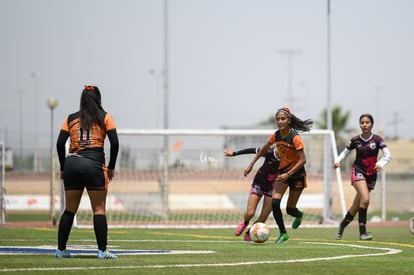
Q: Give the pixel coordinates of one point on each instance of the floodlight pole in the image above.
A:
(3, 187)
(52, 103)
(165, 189)
(36, 163)
(290, 53)
(327, 210)
(328, 68)
(20, 92)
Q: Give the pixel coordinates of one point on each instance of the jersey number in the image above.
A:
(84, 137)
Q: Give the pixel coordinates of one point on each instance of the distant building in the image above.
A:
(402, 157)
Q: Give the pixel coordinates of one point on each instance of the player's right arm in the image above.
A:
(342, 156)
(61, 150)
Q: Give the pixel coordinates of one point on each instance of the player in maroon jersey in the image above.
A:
(261, 186)
(364, 172)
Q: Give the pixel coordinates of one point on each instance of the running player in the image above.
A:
(261, 186)
(291, 171)
(364, 172)
(84, 167)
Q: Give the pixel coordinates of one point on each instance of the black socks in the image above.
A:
(100, 227)
(278, 216)
(65, 225)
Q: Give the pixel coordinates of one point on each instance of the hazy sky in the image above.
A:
(226, 65)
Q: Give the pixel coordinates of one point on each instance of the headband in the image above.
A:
(286, 111)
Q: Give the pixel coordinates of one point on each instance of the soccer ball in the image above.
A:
(259, 232)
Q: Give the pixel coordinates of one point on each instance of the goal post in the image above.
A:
(181, 178)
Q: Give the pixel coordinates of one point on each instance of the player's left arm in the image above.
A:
(114, 144)
(384, 160)
(299, 164)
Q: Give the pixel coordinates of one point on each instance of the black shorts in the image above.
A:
(81, 172)
(296, 183)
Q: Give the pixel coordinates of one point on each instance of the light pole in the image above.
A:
(20, 92)
(290, 53)
(36, 163)
(52, 103)
(378, 90)
(166, 73)
(2, 184)
(158, 78)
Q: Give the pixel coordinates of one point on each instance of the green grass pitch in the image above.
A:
(216, 251)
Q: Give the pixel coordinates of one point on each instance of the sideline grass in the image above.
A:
(309, 251)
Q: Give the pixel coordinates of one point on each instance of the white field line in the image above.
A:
(383, 252)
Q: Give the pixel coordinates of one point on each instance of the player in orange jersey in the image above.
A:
(291, 172)
(84, 167)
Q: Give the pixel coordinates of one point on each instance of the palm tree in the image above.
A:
(267, 123)
(339, 120)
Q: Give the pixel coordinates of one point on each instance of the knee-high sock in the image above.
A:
(277, 214)
(100, 227)
(294, 212)
(362, 220)
(65, 225)
(347, 220)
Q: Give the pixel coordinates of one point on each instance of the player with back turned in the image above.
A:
(84, 167)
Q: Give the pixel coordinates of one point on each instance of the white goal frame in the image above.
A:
(330, 154)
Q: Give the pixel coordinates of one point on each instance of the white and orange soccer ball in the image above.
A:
(259, 232)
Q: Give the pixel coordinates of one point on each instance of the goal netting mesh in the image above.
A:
(181, 178)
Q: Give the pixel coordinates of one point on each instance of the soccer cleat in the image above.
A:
(283, 237)
(247, 237)
(62, 254)
(340, 233)
(365, 237)
(297, 221)
(106, 255)
(240, 229)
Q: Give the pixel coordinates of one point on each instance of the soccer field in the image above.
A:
(210, 251)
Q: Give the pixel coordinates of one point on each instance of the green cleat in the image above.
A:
(297, 221)
(283, 237)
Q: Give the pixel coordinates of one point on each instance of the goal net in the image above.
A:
(181, 178)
